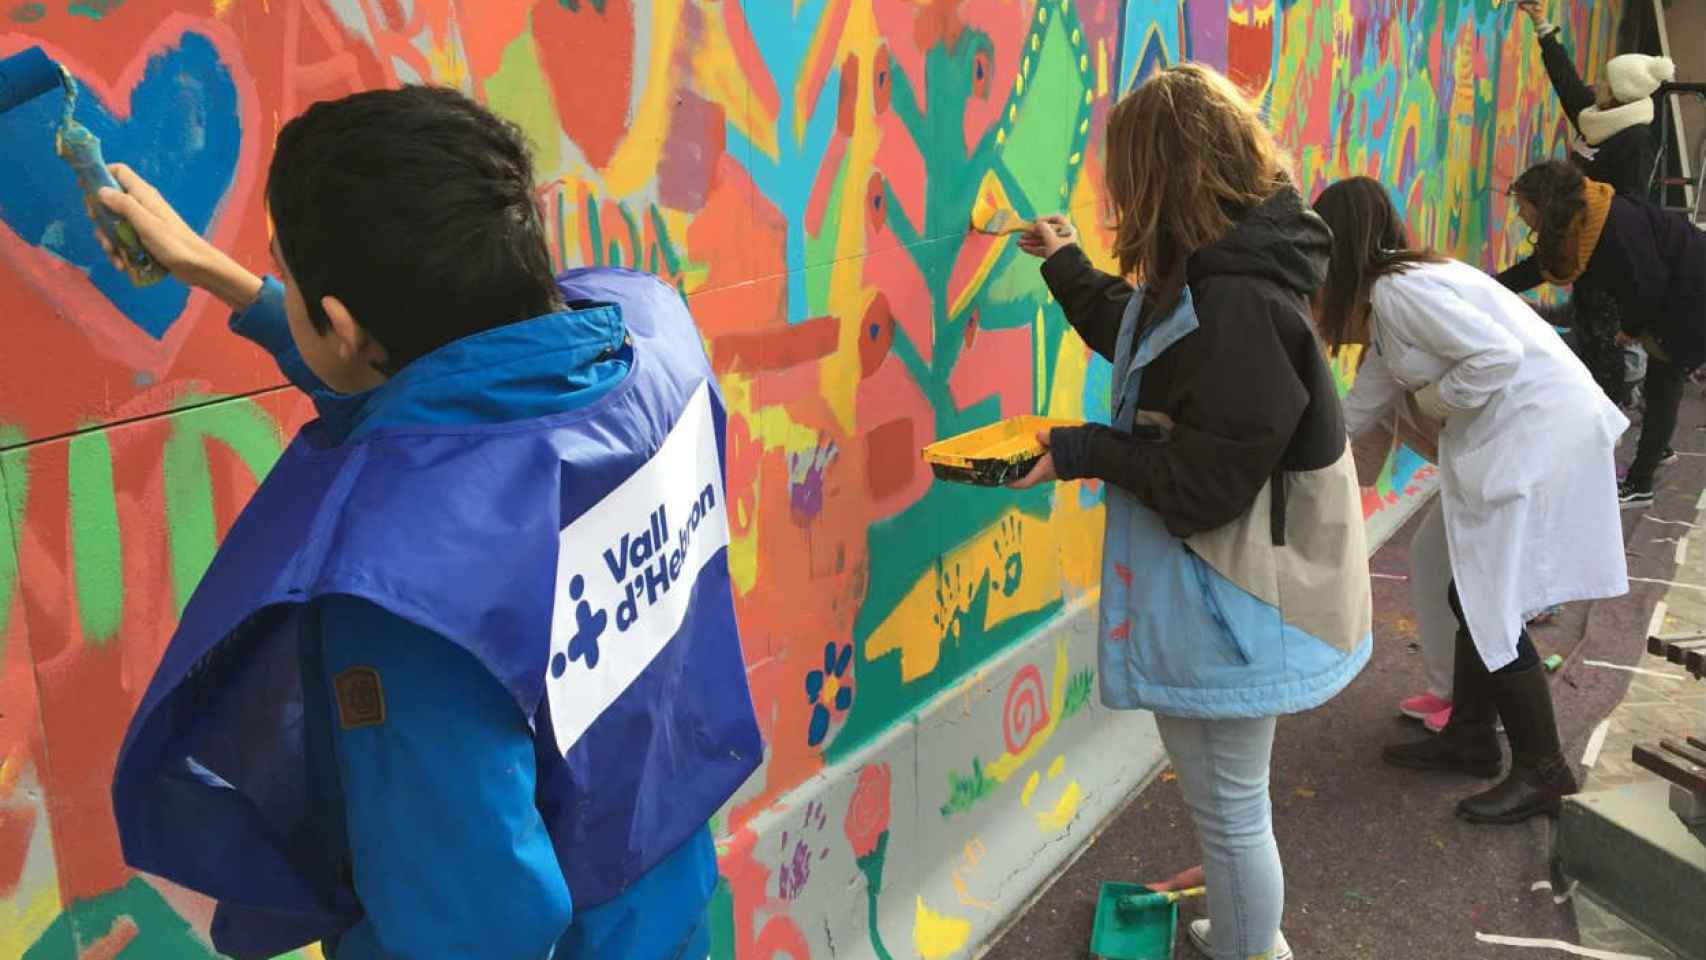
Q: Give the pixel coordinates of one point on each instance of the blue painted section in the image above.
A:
(783, 42)
(183, 135)
(1098, 384)
(1149, 40)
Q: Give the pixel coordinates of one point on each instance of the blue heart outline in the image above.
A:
(184, 135)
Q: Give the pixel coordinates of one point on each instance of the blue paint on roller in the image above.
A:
(182, 132)
(25, 76)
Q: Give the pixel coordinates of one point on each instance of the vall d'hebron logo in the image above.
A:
(626, 569)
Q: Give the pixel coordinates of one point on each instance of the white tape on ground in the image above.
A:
(1619, 666)
(1557, 898)
(1668, 583)
(1544, 944)
(1596, 742)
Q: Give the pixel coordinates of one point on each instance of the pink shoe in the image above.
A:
(1423, 705)
(1437, 720)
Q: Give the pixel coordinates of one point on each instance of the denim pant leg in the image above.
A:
(1430, 575)
(1222, 766)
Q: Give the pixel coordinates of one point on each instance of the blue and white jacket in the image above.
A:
(1235, 570)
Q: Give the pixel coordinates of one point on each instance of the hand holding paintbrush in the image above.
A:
(1046, 235)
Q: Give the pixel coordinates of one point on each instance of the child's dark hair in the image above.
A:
(415, 208)
(1369, 242)
(1558, 190)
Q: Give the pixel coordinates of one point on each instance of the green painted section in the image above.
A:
(14, 494)
(160, 934)
(721, 913)
(1078, 692)
(1046, 132)
(248, 432)
(820, 247)
(519, 92)
(907, 546)
(97, 549)
(964, 791)
(871, 865)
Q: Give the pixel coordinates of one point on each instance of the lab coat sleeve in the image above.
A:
(1425, 312)
(1371, 394)
(264, 324)
(449, 854)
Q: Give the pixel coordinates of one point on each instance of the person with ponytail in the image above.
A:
(1638, 275)
(1526, 489)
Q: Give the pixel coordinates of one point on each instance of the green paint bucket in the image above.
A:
(1133, 926)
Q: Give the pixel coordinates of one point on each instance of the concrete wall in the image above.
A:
(803, 170)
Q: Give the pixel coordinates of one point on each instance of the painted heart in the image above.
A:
(177, 116)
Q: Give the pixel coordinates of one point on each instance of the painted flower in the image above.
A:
(827, 690)
(868, 812)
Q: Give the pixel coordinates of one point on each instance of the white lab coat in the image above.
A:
(1527, 480)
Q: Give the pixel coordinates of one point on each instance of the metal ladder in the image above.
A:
(1678, 166)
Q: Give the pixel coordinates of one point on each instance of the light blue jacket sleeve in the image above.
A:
(449, 855)
(265, 324)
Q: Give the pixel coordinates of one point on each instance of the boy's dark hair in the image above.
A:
(1369, 242)
(414, 207)
(1558, 190)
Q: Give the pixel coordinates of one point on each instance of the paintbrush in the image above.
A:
(997, 221)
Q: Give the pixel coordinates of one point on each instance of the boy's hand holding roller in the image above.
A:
(172, 242)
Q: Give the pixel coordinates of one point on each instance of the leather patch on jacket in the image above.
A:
(361, 698)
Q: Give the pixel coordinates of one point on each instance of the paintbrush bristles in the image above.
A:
(998, 222)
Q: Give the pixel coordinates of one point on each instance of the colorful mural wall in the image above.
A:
(803, 171)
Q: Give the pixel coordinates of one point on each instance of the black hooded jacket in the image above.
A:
(1249, 392)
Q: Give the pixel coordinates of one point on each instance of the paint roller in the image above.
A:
(1131, 906)
(29, 74)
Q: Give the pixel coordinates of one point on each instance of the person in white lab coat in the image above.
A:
(1527, 481)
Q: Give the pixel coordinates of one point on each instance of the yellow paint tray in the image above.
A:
(994, 455)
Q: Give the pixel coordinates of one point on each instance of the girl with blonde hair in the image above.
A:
(1235, 576)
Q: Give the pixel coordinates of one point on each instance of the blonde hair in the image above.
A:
(1187, 154)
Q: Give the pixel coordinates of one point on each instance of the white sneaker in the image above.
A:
(1198, 931)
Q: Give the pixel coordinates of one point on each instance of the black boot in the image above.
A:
(1540, 777)
(1468, 744)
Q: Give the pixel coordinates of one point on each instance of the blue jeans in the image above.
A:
(1222, 766)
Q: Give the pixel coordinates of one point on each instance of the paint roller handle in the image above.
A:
(1145, 901)
(81, 150)
(173, 243)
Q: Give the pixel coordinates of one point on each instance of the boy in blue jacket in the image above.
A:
(464, 679)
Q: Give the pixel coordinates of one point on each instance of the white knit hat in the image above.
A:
(1636, 76)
